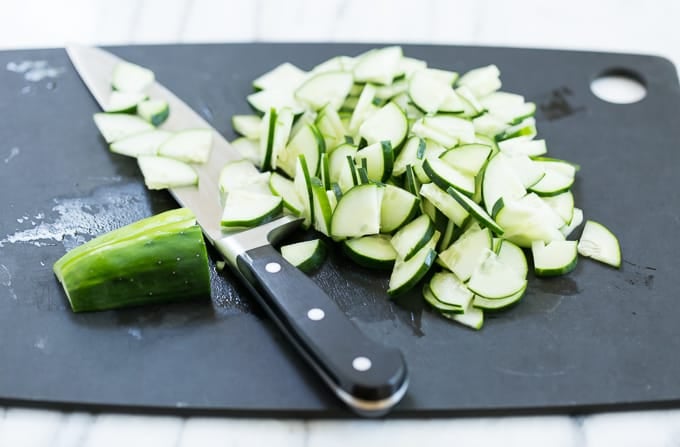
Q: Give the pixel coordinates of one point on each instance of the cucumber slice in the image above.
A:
(475, 210)
(248, 149)
(357, 213)
(387, 92)
(162, 172)
(559, 177)
(527, 171)
(407, 273)
(497, 304)
(446, 176)
(599, 243)
(489, 125)
(145, 143)
(411, 153)
(159, 259)
(129, 77)
(284, 188)
(191, 146)
(155, 111)
(307, 255)
(375, 251)
(286, 77)
(274, 135)
(378, 66)
(309, 142)
(472, 108)
(525, 128)
(413, 236)
(325, 88)
(387, 124)
(322, 208)
(337, 161)
(444, 203)
(576, 220)
(249, 209)
(398, 207)
(509, 107)
(438, 305)
(555, 258)
(500, 182)
(247, 125)
(124, 102)
(466, 253)
(523, 146)
(363, 109)
(563, 205)
(529, 219)
(408, 66)
(450, 290)
(471, 317)
(512, 256)
(115, 126)
(468, 158)
(429, 90)
(330, 126)
(455, 128)
(379, 159)
(303, 187)
(494, 280)
(265, 100)
(338, 63)
(482, 81)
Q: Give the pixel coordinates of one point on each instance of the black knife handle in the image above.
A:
(365, 374)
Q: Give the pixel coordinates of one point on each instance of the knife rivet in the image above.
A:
(316, 314)
(273, 267)
(361, 363)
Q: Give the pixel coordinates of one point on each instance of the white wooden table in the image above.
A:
(626, 26)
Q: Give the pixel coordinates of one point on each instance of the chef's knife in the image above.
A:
(369, 377)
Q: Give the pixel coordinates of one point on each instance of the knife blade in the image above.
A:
(368, 376)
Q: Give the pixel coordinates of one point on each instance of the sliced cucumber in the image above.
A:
(444, 203)
(379, 66)
(493, 279)
(363, 109)
(559, 176)
(445, 176)
(373, 251)
(525, 128)
(325, 88)
(284, 188)
(468, 158)
(330, 126)
(124, 102)
(379, 159)
(454, 129)
(398, 207)
(274, 135)
(265, 100)
(465, 254)
(429, 90)
(523, 146)
(555, 258)
(475, 210)
(145, 143)
(286, 77)
(155, 111)
(322, 208)
(563, 205)
(497, 304)
(129, 77)
(448, 289)
(407, 273)
(413, 236)
(159, 259)
(576, 220)
(249, 209)
(309, 142)
(528, 172)
(387, 124)
(248, 149)
(115, 126)
(482, 81)
(411, 153)
(471, 317)
(338, 63)
(191, 146)
(303, 187)
(438, 305)
(357, 213)
(509, 107)
(599, 243)
(337, 161)
(163, 172)
(307, 255)
(500, 182)
(489, 125)
(247, 125)
(512, 256)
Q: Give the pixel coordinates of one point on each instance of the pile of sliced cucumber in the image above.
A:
(435, 176)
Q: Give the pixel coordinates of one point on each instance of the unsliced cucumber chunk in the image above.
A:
(387, 124)
(248, 209)
(407, 273)
(191, 146)
(374, 251)
(599, 243)
(247, 125)
(465, 254)
(398, 207)
(159, 259)
(493, 279)
(357, 213)
(162, 172)
(307, 255)
(555, 258)
(124, 102)
(145, 143)
(285, 77)
(325, 88)
(413, 236)
(114, 126)
(129, 77)
(284, 188)
(155, 111)
(449, 289)
(378, 66)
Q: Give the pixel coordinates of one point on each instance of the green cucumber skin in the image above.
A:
(138, 264)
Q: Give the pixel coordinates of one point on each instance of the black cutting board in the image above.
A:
(598, 338)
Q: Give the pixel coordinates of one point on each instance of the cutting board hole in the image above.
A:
(619, 86)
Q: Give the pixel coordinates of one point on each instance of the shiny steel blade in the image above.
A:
(95, 67)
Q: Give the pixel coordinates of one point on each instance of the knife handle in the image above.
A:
(368, 376)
